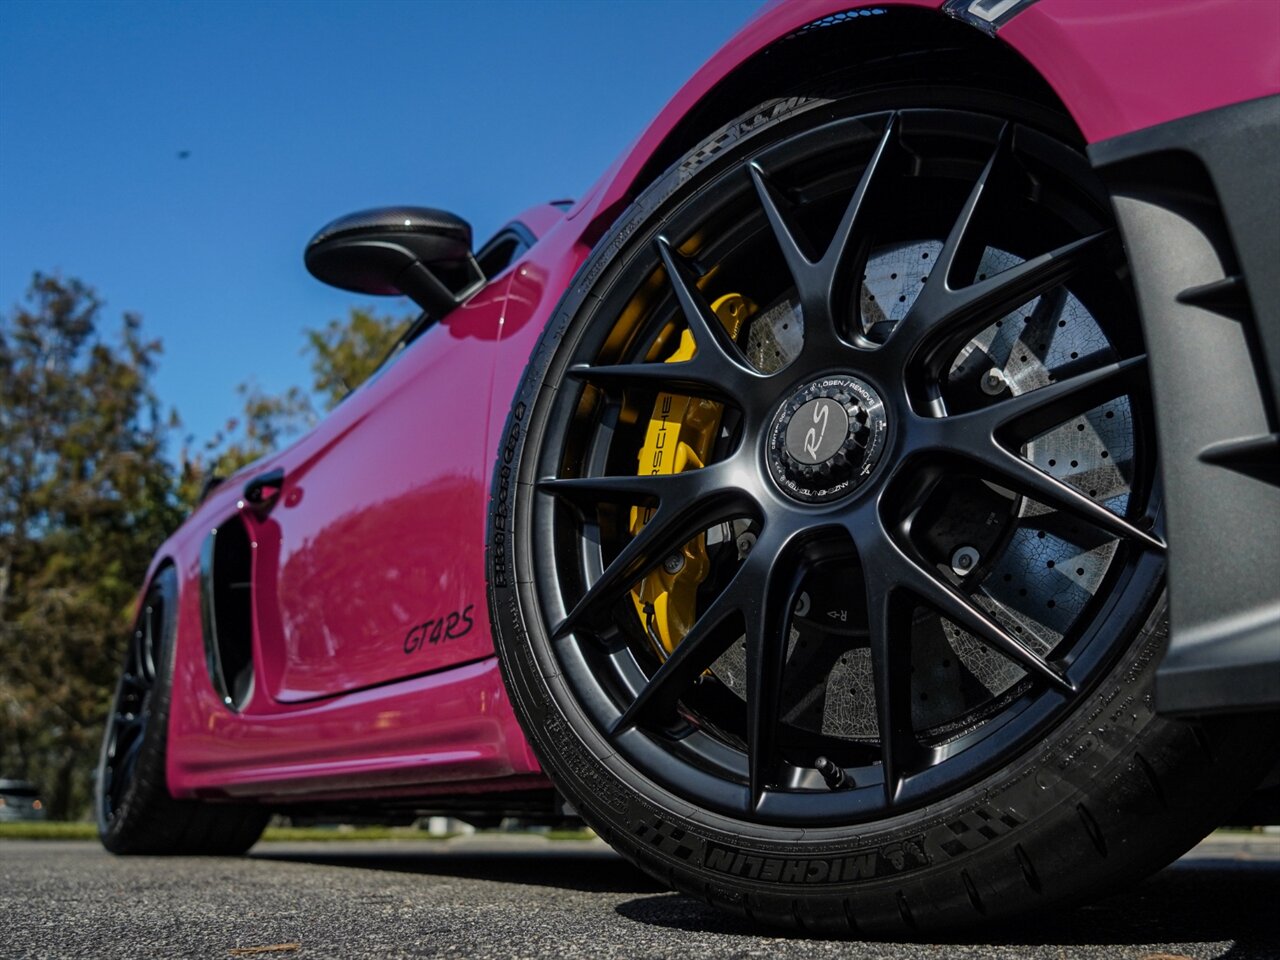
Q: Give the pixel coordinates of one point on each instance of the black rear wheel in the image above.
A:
(827, 557)
(135, 812)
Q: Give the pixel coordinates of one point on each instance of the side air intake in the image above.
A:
(226, 606)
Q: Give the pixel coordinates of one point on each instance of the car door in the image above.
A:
(368, 534)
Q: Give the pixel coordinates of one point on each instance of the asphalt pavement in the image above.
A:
(522, 896)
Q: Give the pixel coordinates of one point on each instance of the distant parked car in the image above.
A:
(20, 800)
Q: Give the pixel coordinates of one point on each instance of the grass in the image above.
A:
(349, 832)
(54, 830)
(47, 830)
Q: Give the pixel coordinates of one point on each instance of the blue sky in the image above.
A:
(296, 112)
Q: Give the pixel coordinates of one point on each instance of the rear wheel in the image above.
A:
(826, 567)
(136, 814)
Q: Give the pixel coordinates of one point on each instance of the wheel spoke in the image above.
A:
(818, 280)
(838, 250)
(769, 597)
(676, 521)
(109, 787)
(801, 268)
(131, 682)
(135, 673)
(700, 648)
(980, 436)
(889, 639)
(126, 766)
(988, 300)
(761, 594)
(1037, 411)
(147, 646)
(695, 378)
(943, 317)
(940, 322)
(1029, 480)
(944, 263)
(712, 339)
(960, 609)
(894, 568)
(128, 723)
(636, 489)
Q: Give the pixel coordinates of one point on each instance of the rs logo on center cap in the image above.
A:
(825, 440)
(817, 430)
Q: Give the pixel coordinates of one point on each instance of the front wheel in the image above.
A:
(826, 567)
(135, 813)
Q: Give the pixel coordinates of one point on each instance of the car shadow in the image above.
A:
(591, 869)
(1196, 900)
(1205, 900)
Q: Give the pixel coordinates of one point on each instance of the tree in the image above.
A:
(267, 422)
(85, 497)
(345, 354)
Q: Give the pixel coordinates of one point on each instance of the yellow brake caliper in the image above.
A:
(679, 437)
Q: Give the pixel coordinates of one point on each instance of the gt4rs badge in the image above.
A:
(451, 626)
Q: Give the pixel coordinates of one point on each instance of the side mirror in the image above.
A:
(422, 253)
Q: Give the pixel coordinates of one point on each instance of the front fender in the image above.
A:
(1118, 66)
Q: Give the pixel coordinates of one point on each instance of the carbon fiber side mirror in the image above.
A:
(419, 252)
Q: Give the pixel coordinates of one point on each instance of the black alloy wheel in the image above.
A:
(863, 508)
(131, 709)
(930, 514)
(136, 814)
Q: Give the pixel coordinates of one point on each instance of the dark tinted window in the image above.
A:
(499, 253)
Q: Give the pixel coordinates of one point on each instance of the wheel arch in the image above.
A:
(1111, 75)
(845, 43)
(162, 561)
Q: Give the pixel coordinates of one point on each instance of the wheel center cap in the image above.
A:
(817, 431)
(826, 438)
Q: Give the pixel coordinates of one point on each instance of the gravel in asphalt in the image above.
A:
(520, 896)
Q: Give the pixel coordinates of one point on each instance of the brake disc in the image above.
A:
(828, 687)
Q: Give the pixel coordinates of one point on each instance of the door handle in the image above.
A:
(262, 491)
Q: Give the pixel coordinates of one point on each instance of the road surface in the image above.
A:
(494, 896)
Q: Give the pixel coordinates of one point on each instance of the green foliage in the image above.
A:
(62, 830)
(345, 354)
(51, 830)
(267, 423)
(86, 496)
(348, 832)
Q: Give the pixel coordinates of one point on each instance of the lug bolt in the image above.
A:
(993, 382)
(673, 563)
(964, 560)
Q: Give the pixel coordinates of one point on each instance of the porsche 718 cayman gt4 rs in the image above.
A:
(861, 508)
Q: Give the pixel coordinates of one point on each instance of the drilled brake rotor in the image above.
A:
(982, 532)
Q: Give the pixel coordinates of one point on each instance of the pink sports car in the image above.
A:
(862, 508)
